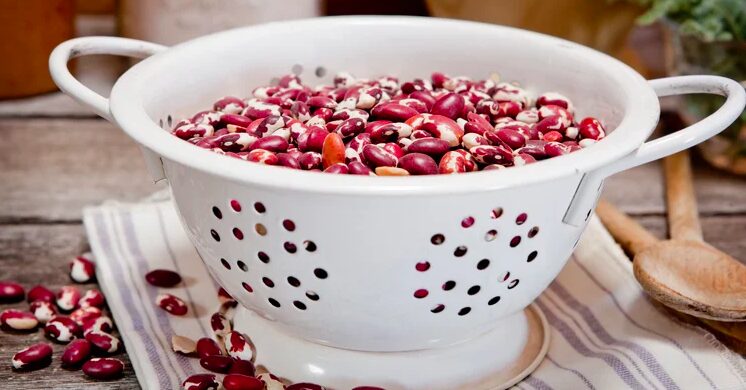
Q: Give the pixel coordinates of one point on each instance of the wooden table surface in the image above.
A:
(56, 158)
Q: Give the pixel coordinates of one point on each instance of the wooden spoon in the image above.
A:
(684, 272)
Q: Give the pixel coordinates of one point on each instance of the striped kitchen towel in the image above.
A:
(605, 334)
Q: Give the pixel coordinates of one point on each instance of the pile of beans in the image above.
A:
(65, 317)
(387, 128)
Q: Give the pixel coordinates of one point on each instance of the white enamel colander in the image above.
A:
(384, 263)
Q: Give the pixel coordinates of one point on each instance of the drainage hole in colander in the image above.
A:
(515, 241)
(533, 232)
(268, 282)
(247, 287)
(160, 123)
(297, 69)
(482, 264)
(288, 225)
(490, 235)
(238, 233)
(473, 290)
(217, 213)
(300, 305)
(467, 222)
(507, 275)
(312, 295)
(421, 293)
(242, 266)
(437, 239)
(293, 281)
(263, 257)
(259, 207)
(309, 245)
(320, 273)
(512, 284)
(496, 212)
(260, 229)
(493, 300)
(532, 256)
(460, 251)
(521, 219)
(169, 120)
(438, 308)
(449, 285)
(235, 205)
(320, 71)
(464, 311)
(225, 263)
(274, 81)
(290, 247)
(215, 235)
(273, 302)
(422, 266)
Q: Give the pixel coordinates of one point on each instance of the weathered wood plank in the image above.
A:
(51, 169)
(33, 254)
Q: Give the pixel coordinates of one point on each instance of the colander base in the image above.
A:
(495, 360)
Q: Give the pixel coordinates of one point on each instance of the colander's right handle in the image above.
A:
(589, 188)
(77, 47)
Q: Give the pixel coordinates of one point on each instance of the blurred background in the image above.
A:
(657, 37)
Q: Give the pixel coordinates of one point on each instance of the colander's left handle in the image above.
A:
(77, 47)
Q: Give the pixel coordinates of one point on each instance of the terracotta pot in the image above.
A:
(30, 29)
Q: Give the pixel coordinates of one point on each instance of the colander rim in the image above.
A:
(641, 108)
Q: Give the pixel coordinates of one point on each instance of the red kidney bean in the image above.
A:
(391, 171)
(508, 137)
(591, 128)
(552, 136)
(473, 139)
(92, 298)
(452, 162)
(551, 110)
(413, 103)
(11, 292)
(207, 347)
(216, 363)
(76, 352)
(439, 126)
(450, 105)
(505, 109)
(390, 132)
(172, 304)
(377, 156)
(61, 328)
(272, 143)
(103, 342)
(287, 160)
(486, 154)
(242, 382)
(39, 293)
(433, 147)
(18, 320)
(555, 99)
(229, 104)
(236, 120)
(243, 367)
(321, 102)
(85, 314)
(418, 164)
(478, 123)
(201, 382)
(350, 127)
(358, 168)
(82, 270)
(312, 140)
(32, 356)
(100, 324)
(211, 118)
(333, 150)
(262, 156)
(339, 168)
(528, 116)
(238, 347)
(550, 123)
(393, 111)
(554, 149)
(42, 310)
(103, 368)
(220, 325)
(183, 345)
(163, 278)
(438, 79)
(425, 97)
(310, 160)
(304, 386)
(68, 297)
(521, 159)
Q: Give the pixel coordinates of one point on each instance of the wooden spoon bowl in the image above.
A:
(694, 278)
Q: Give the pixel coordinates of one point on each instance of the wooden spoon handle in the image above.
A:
(628, 233)
(683, 217)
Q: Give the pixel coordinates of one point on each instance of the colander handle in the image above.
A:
(77, 47)
(589, 188)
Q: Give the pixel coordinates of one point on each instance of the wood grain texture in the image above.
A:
(51, 169)
(30, 254)
(683, 214)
